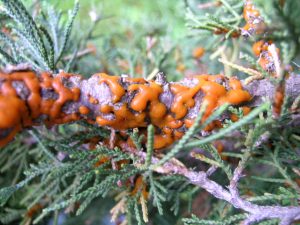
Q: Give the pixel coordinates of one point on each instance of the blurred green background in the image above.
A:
(137, 13)
(130, 13)
(123, 30)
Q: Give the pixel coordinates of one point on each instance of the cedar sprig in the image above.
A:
(33, 42)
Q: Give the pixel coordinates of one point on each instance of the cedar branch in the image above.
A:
(255, 213)
(29, 98)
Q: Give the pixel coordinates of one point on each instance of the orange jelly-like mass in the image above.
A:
(146, 105)
(133, 102)
(16, 112)
(254, 22)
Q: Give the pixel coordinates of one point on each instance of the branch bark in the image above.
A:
(28, 98)
(256, 213)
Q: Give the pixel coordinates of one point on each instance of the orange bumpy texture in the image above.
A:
(265, 58)
(133, 103)
(254, 22)
(16, 112)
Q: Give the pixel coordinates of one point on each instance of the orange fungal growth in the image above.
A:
(234, 34)
(65, 94)
(101, 161)
(22, 102)
(257, 47)
(145, 103)
(278, 100)
(198, 52)
(235, 84)
(92, 142)
(140, 186)
(146, 94)
(120, 103)
(180, 67)
(254, 22)
(265, 60)
(106, 109)
(234, 97)
(93, 101)
(246, 111)
(220, 148)
(115, 87)
(84, 110)
(124, 119)
(34, 210)
(261, 46)
(162, 141)
(183, 99)
(11, 119)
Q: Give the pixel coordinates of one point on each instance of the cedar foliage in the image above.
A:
(47, 176)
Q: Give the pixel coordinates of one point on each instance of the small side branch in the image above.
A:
(256, 213)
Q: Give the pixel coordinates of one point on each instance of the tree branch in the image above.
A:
(28, 98)
(256, 213)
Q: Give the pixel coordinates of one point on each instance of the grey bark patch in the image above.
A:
(70, 107)
(41, 118)
(5, 132)
(167, 96)
(194, 111)
(21, 89)
(49, 94)
(67, 82)
(161, 78)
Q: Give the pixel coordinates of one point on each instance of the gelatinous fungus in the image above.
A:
(123, 103)
(198, 52)
(265, 60)
(254, 22)
(140, 186)
(16, 112)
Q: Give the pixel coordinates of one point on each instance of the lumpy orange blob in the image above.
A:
(124, 119)
(183, 99)
(219, 31)
(17, 112)
(106, 109)
(145, 95)
(84, 110)
(220, 148)
(198, 52)
(101, 161)
(254, 22)
(145, 105)
(93, 101)
(249, 11)
(34, 210)
(115, 87)
(258, 47)
(135, 103)
(278, 100)
(181, 67)
(65, 94)
(246, 111)
(163, 140)
(265, 60)
(140, 186)
(12, 113)
(261, 46)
